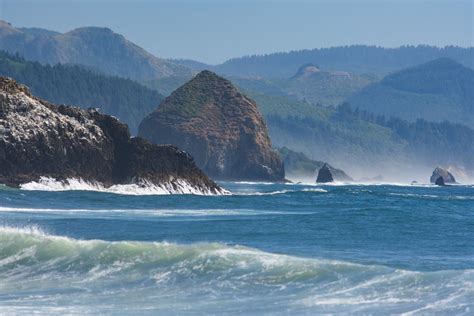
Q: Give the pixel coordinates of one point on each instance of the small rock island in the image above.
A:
(441, 176)
(324, 174)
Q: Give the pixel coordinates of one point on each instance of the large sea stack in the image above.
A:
(219, 126)
(39, 139)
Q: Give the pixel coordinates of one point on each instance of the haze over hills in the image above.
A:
(439, 90)
(74, 85)
(358, 59)
(328, 88)
(323, 87)
(96, 47)
(363, 144)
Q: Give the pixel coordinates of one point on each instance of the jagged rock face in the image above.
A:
(40, 139)
(324, 174)
(220, 127)
(440, 181)
(443, 173)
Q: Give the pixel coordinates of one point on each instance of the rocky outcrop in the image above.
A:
(325, 174)
(443, 173)
(440, 182)
(219, 126)
(299, 167)
(39, 139)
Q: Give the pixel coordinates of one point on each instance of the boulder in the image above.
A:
(39, 139)
(325, 174)
(440, 182)
(443, 173)
(299, 166)
(219, 126)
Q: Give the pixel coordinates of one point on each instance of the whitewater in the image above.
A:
(288, 249)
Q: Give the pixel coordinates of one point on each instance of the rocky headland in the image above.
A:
(39, 139)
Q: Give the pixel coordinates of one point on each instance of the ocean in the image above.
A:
(276, 249)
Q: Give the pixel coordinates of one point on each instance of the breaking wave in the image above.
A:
(53, 274)
(179, 186)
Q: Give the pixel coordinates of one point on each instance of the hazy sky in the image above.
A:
(213, 31)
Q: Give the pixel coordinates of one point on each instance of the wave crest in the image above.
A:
(179, 186)
(168, 277)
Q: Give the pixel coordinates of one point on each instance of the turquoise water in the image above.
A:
(268, 248)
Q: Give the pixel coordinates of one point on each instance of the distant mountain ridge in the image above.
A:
(358, 59)
(96, 47)
(317, 86)
(438, 90)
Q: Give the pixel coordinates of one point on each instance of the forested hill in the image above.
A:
(96, 47)
(359, 141)
(439, 90)
(359, 59)
(75, 85)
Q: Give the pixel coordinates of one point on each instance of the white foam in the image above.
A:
(432, 196)
(150, 212)
(112, 277)
(176, 186)
(319, 190)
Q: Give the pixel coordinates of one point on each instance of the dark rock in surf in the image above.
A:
(440, 182)
(299, 166)
(39, 139)
(443, 173)
(324, 174)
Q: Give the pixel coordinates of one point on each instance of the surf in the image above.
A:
(108, 275)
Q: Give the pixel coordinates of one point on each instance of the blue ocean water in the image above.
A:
(266, 249)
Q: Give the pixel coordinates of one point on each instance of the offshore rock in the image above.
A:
(440, 182)
(444, 174)
(219, 126)
(325, 174)
(39, 139)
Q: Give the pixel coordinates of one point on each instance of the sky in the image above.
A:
(213, 31)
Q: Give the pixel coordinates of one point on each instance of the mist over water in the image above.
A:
(268, 248)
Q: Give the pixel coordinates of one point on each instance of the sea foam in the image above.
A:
(177, 186)
(98, 276)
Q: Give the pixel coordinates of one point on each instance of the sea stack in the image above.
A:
(219, 126)
(324, 174)
(442, 173)
(39, 139)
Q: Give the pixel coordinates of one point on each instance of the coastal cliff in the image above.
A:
(39, 139)
(219, 126)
